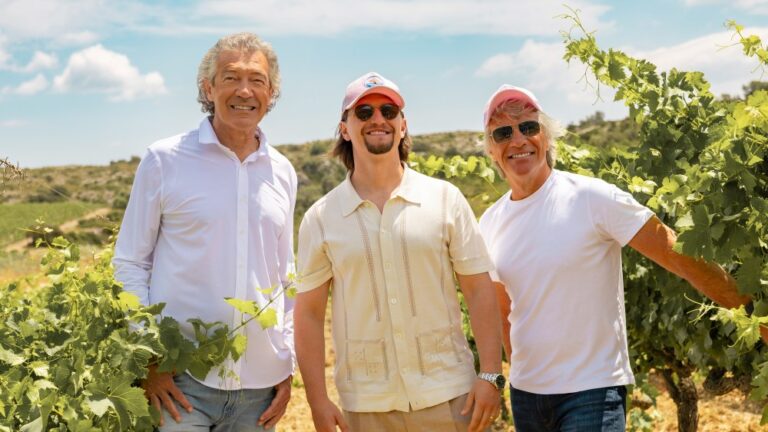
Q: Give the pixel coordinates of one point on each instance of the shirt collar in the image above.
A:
(408, 191)
(207, 136)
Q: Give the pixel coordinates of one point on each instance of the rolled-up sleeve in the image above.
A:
(469, 254)
(136, 240)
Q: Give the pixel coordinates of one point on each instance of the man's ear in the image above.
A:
(343, 131)
(208, 88)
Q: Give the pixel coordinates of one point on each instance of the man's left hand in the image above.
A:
(277, 408)
(487, 405)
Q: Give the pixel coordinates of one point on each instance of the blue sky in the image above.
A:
(90, 81)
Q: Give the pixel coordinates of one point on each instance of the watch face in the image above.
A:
(500, 381)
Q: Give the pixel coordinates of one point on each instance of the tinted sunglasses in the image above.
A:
(527, 128)
(365, 112)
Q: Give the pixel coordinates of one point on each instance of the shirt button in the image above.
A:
(393, 300)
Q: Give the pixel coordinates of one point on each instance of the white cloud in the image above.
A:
(540, 67)
(753, 6)
(97, 69)
(48, 19)
(67, 23)
(523, 17)
(41, 61)
(724, 66)
(33, 86)
(12, 123)
(562, 90)
(30, 87)
(76, 38)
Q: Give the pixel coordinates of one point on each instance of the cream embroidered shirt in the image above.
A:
(396, 321)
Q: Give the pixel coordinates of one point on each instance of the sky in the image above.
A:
(93, 81)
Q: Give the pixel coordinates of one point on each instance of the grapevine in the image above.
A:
(74, 348)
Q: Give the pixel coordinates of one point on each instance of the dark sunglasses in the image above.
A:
(365, 112)
(528, 128)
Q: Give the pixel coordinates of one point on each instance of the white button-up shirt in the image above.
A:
(200, 226)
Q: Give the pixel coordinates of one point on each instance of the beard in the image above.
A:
(380, 148)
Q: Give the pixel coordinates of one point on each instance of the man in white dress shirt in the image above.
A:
(211, 216)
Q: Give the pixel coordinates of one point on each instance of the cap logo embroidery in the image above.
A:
(373, 81)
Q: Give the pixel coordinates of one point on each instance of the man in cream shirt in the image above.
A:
(386, 244)
(211, 216)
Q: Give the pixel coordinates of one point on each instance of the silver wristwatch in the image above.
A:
(497, 380)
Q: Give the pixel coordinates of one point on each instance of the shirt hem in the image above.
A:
(386, 402)
(573, 388)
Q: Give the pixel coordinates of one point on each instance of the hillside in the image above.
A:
(88, 187)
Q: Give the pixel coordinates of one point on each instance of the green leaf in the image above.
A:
(267, 318)
(99, 406)
(40, 368)
(10, 358)
(127, 400)
(34, 426)
(128, 300)
(748, 275)
(244, 306)
(239, 345)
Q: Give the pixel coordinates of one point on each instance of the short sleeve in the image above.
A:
(468, 252)
(486, 229)
(616, 214)
(313, 264)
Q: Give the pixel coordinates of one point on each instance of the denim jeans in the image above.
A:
(595, 410)
(217, 410)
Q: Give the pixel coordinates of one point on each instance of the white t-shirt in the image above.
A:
(558, 252)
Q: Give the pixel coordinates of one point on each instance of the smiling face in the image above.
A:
(522, 159)
(377, 134)
(240, 90)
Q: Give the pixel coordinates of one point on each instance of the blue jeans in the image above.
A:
(595, 410)
(217, 410)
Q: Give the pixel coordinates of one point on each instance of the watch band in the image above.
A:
(496, 379)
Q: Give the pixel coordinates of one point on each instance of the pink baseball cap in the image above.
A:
(506, 93)
(371, 83)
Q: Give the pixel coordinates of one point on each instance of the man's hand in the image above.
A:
(277, 408)
(161, 391)
(485, 397)
(327, 416)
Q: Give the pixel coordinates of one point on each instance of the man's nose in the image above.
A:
(244, 89)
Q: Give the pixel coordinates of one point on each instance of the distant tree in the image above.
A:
(9, 172)
(754, 86)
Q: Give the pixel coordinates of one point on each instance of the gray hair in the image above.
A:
(550, 127)
(243, 42)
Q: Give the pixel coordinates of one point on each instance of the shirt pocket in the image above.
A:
(367, 360)
(439, 349)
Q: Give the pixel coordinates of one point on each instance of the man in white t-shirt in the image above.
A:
(555, 239)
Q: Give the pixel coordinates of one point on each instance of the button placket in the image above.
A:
(241, 246)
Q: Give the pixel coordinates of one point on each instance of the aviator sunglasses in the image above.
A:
(504, 133)
(364, 112)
